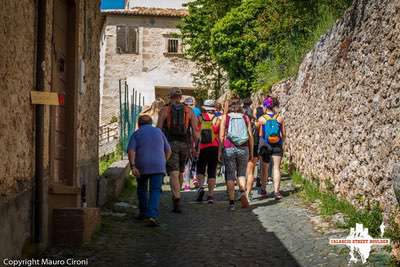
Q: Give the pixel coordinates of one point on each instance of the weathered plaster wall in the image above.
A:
(17, 126)
(144, 70)
(343, 109)
(17, 122)
(89, 99)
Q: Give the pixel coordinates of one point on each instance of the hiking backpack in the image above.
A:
(237, 129)
(272, 129)
(207, 135)
(178, 120)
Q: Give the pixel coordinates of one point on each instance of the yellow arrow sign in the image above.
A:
(45, 98)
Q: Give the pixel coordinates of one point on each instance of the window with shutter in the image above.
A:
(121, 39)
(127, 39)
(132, 40)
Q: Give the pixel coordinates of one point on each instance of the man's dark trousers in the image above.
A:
(148, 206)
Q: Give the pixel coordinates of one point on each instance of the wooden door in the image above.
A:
(63, 82)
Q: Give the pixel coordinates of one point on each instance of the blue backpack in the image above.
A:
(272, 129)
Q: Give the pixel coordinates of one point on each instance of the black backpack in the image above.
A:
(207, 134)
(178, 121)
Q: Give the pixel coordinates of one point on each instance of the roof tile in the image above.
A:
(148, 11)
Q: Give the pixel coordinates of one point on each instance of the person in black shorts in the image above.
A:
(271, 144)
(208, 155)
(180, 127)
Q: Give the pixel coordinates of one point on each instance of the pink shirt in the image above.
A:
(215, 129)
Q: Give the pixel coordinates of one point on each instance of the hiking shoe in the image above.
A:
(278, 196)
(244, 200)
(258, 182)
(196, 183)
(140, 217)
(177, 208)
(264, 193)
(210, 200)
(200, 195)
(152, 222)
(231, 207)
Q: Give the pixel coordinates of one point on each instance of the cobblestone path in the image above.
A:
(269, 233)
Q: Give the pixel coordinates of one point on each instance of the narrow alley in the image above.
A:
(270, 233)
(297, 99)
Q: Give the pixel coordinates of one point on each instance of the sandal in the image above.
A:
(278, 196)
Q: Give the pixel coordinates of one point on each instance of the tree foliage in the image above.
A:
(196, 36)
(290, 29)
(255, 42)
(236, 44)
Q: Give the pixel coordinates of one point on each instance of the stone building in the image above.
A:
(49, 158)
(139, 45)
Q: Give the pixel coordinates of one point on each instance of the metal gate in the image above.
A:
(131, 103)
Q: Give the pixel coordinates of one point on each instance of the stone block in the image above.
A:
(72, 226)
(111, 183)
(396, 181)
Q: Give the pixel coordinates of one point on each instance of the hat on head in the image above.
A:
(209, 105)
(175, 91)
(189, 101)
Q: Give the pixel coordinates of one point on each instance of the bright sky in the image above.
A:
(112, 4)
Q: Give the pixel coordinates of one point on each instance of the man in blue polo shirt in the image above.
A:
(148, 151)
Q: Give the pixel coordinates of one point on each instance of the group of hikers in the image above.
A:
(187, 142)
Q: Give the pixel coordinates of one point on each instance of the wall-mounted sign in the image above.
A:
(47, 98)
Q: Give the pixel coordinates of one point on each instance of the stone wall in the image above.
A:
(343, 109)
(89, 100)
(145, 70)
(17, 117)
(17, 125)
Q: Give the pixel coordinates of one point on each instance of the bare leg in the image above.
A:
(211, 186)
(264, 174)
(200, 179)
(231, 189)
(242, 184)
(175, 184)
(250, 176)
(277, 172)
(181, 179)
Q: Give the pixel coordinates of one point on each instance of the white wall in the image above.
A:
(162, 76)
(144, 71)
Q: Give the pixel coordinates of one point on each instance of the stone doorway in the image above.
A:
(63, 190)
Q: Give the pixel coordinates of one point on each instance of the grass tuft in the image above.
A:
(371, 217)
(106, 161)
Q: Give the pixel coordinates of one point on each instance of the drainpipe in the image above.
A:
(39, 121)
